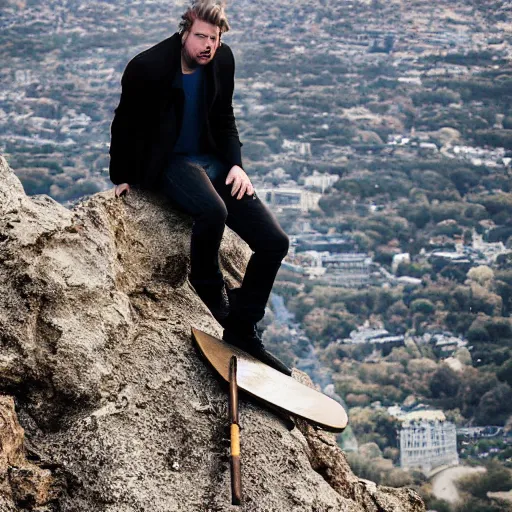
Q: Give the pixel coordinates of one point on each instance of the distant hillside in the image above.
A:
(342, 77)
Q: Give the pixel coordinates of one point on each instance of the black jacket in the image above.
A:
(148, 119)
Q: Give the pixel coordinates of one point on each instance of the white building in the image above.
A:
(490, 250)
(299, 148)
(427, 441)
(290, 198)
(403, 257)
(321, 180)
(348, 269)
(23, 76)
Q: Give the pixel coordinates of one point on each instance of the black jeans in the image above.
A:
(196, 185)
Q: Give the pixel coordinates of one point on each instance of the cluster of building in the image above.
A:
(61, 87)
(332, 259)
(282, 194)
(336, 260)
(444, 344)
(477, 156)
(455, 253)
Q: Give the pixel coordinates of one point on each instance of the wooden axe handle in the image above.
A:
(236, 475)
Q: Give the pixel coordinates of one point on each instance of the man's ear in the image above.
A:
(184, 37)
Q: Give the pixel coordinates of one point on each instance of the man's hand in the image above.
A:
(241, 183)
(122, 189)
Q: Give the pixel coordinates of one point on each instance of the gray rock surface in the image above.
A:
(96, 349)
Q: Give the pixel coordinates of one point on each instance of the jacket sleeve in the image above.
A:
(226, 132)
(127, 126)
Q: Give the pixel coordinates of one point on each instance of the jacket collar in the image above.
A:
(212, 80)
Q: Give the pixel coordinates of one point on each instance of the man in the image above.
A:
(174, 131)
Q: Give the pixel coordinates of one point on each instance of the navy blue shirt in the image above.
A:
(193, 88)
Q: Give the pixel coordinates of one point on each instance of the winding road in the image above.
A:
(443, 483)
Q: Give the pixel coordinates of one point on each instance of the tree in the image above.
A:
(374, 426)
(256, 150)
(505, 372)
(474, 384)
(483, 275)
(419, 214)
(448, 210)
(477, 333)
(495, 406)
(444, 383)
(439, 505)
(496, 478)
(423, 306)
(497, 203)
(495, 329)
(464, 356)
(477, 505)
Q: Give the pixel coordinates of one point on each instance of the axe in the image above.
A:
(236, 478)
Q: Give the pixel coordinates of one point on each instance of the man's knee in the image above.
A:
(215, 214)
(276, 244)
(282, 244)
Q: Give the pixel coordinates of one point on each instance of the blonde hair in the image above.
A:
(210, 11)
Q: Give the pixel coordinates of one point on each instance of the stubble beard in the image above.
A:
(190, 61)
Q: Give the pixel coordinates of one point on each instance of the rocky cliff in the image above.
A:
(107, 406)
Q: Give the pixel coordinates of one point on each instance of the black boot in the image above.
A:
(245, 336)
(215, 298)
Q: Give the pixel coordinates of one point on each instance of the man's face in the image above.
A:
(200, 43)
